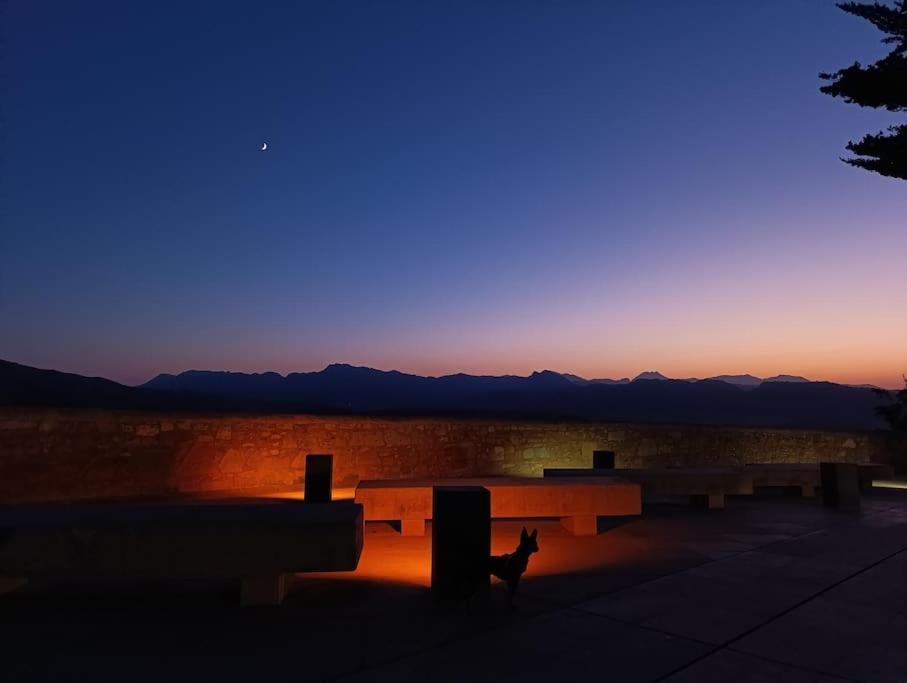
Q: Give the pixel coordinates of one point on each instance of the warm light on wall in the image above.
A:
(343, 493)
(889, 484)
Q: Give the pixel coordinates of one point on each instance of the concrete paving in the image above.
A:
(772, 588)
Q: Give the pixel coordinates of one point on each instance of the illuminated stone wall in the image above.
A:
(68, 455)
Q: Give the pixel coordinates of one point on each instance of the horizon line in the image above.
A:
(626, 378)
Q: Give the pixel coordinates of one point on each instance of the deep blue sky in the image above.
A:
(595, 187)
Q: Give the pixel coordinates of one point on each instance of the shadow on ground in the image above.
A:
(768, 589)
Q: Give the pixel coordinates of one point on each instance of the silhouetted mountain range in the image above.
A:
(22, 385)
(649, 397)
(740, 380)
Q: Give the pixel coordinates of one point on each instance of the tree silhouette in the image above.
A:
(883, 84)
(895, 412)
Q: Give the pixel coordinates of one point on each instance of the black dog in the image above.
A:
(510, 567)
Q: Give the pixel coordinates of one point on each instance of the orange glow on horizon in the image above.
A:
(798, 295)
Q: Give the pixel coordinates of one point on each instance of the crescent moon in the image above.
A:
(264, 146)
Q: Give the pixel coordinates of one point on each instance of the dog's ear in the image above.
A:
(534, 535)
(524, 535)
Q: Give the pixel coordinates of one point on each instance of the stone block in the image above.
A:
(147, 430)
(461, 542)
(232, 462)
(319, 469)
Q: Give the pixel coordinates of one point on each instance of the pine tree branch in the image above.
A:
(883, 84)
(884, 154)
(891, 21)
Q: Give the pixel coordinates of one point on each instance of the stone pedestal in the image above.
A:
(603, 460)
(460, 542)
(840, 486)
(318, 472)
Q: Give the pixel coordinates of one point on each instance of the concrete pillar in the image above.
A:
(840, 486)
(460, 542)
(603, 460)
(318, 472)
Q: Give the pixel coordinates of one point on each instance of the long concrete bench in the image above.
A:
(259, 543)
(578, 502)
(703, 485)
(804, 477)
(807, 478)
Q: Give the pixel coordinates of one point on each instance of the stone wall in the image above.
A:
(81, 455)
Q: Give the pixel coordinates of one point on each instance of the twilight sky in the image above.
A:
(490, 187)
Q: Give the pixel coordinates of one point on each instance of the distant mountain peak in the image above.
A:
(649, 374)
(347, 368)
(582, 381)
(740, 380)
(604, 380)
(550, 377)
(786, 378)
(337, 369)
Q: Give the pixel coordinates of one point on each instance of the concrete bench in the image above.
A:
(577, 502)
(703, 485)
(807, 478)
(804, 477)
(259, 543)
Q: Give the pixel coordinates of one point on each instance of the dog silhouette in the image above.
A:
(511, 566)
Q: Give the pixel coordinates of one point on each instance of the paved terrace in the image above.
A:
(768, 589)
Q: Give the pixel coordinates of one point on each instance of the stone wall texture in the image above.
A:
(68, 455)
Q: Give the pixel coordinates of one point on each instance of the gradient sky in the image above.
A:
(496, 187)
